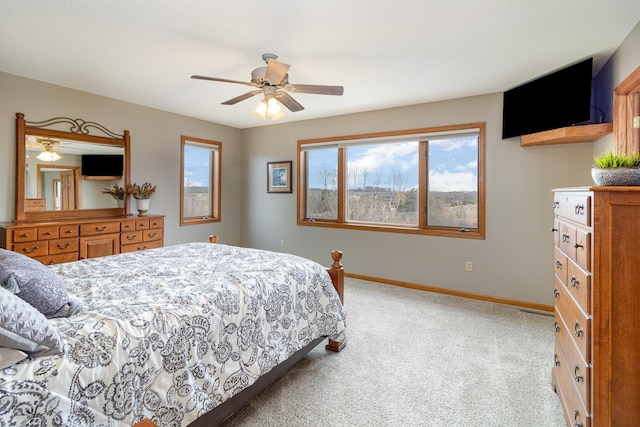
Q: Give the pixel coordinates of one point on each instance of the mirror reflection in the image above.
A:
(65, 175)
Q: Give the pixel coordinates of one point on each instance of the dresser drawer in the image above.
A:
(560, 264)
(46, 233)
(96, 228)
(574, 207)
(568, 239)
(69, 231)
(130, 237)
(579, 285)
(58, 258)
(577, 322)
(128, 225)
(574, 411)
(25, 234)
(141, 246)
(156, 222)
(61, 246)
(152, 235)
(142, 224)
(583, 249)
(32, 249)
(579, 369)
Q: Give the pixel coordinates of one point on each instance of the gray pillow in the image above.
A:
(22, 327)
(36, 284)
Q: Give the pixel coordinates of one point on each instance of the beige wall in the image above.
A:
(155, 149)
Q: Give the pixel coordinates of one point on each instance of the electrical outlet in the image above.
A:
(468, 266)
(282, 243)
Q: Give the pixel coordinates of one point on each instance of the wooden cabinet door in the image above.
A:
(97, 246)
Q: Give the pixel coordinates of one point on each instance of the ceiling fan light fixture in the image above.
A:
(275, 109)
(261, 110)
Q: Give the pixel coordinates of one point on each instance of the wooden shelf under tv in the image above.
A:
(568, 135)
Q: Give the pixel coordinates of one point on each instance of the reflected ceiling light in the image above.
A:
(269, 107)
(48, 155)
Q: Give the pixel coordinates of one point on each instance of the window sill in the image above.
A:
(429, 231)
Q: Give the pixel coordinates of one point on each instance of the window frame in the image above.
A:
(422, 227)
(215, 177)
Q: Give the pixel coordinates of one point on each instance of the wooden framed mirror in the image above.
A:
(60, 173)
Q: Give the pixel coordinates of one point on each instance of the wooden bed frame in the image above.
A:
(226, 409)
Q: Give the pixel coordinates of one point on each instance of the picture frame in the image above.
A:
(279, 177)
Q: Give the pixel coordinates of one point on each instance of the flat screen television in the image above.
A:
(102, 164)
(559, 99)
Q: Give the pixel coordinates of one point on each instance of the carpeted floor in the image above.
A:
(416, 358)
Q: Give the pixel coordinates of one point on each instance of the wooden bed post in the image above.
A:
(336, 272)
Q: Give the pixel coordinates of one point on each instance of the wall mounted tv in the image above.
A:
(559, 99)
(102, 164)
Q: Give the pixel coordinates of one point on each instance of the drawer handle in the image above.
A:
(131, 237)
(574, 282)
(579, 209)
(559, 264)
(556, 205)
(152, 234)
(556, 360)
(61, 246)
(553, 229)
(578, 245)
(25, 235)
(576, 423)
(104, 227)
(565, 237)
(556, 293)
(28, 251)
(52, 262)
(48, 233)
(556, 327)
(577, 377)
(577, 329)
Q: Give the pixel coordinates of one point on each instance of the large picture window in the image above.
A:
(427, 181)
(200, 174)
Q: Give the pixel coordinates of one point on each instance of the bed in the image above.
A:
(176, 336)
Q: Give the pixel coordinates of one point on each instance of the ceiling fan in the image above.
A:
(273, 82)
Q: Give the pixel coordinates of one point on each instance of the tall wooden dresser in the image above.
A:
(596, 371)
(59, 241)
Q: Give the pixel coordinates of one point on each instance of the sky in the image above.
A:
(452, 163)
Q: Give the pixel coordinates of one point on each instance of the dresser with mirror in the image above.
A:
(61, 213)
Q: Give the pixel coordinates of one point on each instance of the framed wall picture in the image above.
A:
(279, 177)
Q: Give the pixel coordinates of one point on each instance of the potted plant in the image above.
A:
(613, 168)
(117, 192)
(142, 194)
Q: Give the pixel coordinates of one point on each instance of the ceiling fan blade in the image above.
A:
(276, 72)
(216, 79)
(241, 97)
(288, 101)
(317, 89)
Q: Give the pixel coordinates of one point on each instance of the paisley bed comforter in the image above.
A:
(170, 333)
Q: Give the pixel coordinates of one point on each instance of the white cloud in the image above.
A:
(452, 181)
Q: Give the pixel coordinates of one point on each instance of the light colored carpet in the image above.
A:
(417, 358)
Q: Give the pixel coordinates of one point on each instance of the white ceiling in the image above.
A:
(385, 54)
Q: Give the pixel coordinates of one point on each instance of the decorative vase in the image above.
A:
(143, 206)
(616, 176)
(120, 203)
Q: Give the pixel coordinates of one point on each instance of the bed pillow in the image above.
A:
(36, 284)
(9, 356)
(24, 328)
